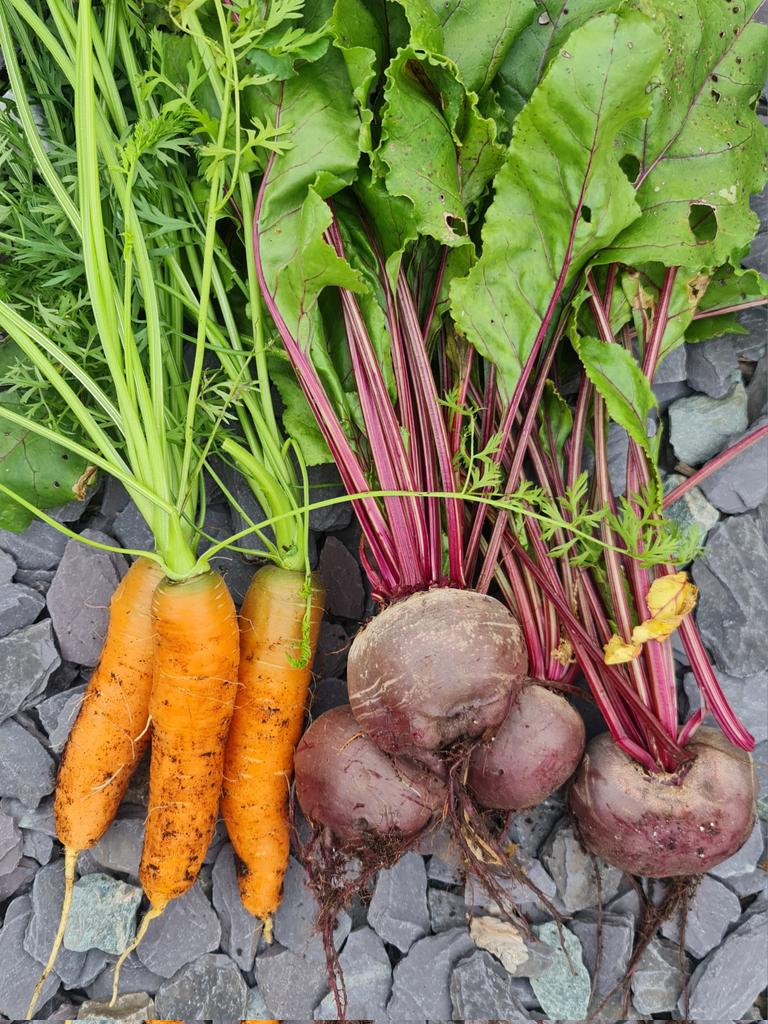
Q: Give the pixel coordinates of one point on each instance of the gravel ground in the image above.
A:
(426, 946)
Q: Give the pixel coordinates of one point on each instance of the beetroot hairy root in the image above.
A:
(435, 667)
(535, 750)
(665, 825)
(346, 784)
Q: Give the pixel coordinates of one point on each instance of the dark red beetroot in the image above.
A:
(345, 783)
(665, 825)
(435, 667)
(536, 748)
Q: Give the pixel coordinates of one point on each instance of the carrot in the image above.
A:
(266, 726)
(110, 732)
(193, 694)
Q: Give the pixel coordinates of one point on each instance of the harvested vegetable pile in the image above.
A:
(269, 271)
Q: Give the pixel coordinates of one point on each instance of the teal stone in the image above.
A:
(103, 914)
(563, 990)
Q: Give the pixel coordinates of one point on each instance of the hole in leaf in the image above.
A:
(456, 224)
(715, 95)
(703, 222)
(586, 214)
(630, 165)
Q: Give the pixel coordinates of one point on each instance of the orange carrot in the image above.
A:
(110, 732)
(193, 694)
(266, 726)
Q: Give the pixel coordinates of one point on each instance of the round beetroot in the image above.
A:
(435, 667)
(344, 782)
(665, 825)
(535, 749)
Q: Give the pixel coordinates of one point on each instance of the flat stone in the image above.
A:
(327, 694)
(187, 929)
(132, 1009)
(17, 879)
(134, 977)
(103, 914)
(398, 912)
(666, 394)
(65, 706)
(295, 920)
(726, 984)
(446, 909)
(742, 483)
(40, 818)
(114, 497)
(131, 530)
(291, 985)
(480, 988)
(26, 769)
(11, 843)
(712, 910)
(733, 602)
(673, 368)
(38, 845)
(333, 646)
(760, 760)
(692, 510)
(255, 1007)
(27, 659)
(757, 391)
(618, 450)
(657, 981)
(617, 933)
(38, 579)
(240, 931)
(20, 971)
(563, 990)
(40, 546)
(700, 426)
(745, 859)
(421, 985)
(211, 989)
(325, 483)
(441, 870)
(575, 871)
(520, 956)
(518, 893)
(748, 697)
(343, 582)
(367, 979)
(7, 567)
(119, 849)
(78, 598)
(19, 606)
(530, 828)
(712, 365)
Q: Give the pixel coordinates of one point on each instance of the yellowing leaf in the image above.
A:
(669, 600)
(618, 651)
(564, 653)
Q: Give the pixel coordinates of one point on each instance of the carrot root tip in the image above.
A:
(147, 920)
(70, 862)
(267, 933)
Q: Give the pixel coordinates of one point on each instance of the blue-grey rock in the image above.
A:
(712, 365)
(618, 449)
(7, 567)
(446, 909)
(700, 426)
(19, 606)
(255, 1007)
(114, 497)
(40, 818)
(119, 849)
(333, 645)
(57, 715)
(733, 601)
(130, 1009)
(103, 914)
(291, 985)
(78, 598)
(480, 988)
(742, 483)
(38, 846)
(38, 579)
(398, 912)
(745, 859)
(528, 829)
(26, 769)
(325, 483)
(563, 990)
(367, 979)
(343, 582)
(726, 984)
(673, 368)
(11, 844)
(295, 920)
(692, 510)
(657, 981)
(575, 871)
(441, 870)
(211, 989)
(20, 971)
(627, 904)
(712, 910)
(187, 929)
(18, 879)
(760, 760)
(666, 394)
(27, 659)
(240, 931)
(615, 951)
(421, 981)
(47, 901)
(40, 546)
(328, 694)
(748, 697)
(131, 529)
(518, 892)
(757, 391)
(134, 977)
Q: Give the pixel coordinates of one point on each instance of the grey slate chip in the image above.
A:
(295, 920)
(47, 901)
(20, 970)
(575, 871)
(40, 546)
(131, 1009)
(700, 426)
(747, 696)
(343, 582)
(656, 981)
(616, 942)
(61, 711)
(367, 979)
(119, 849)
(692, 510)
(240, 931)
(103, 914)
(11, 844)
(37, 845)
(712, 910)
(27, 659)
(211, 989)
(17, 879)
(134, 977)
(26, 769)
(446, 909)
(7, 567)
(421, 981)
(481, 989)
(398, 912)
(187, 929)
(725, 985)
(131, 529)
(19, 606)
(745, 859)
(291, 985)
(742, 483)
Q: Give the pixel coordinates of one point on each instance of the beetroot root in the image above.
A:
(435, 667)
(536, 748)
(346, 784)
(665, 825)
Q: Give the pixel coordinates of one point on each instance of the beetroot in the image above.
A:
(345, 783)
(663, 825)
(535, 749)
(435, 667)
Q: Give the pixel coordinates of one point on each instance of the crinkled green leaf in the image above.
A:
(43, 473)
(360, 32)
(561, 195)
(701, 152)
(557, 421)
(298, 420)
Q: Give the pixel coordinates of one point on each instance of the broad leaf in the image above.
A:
(360, 33)
(561, 195)
(556, 422)
(297, 417)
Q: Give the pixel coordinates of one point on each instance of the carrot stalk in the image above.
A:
(278, 635)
